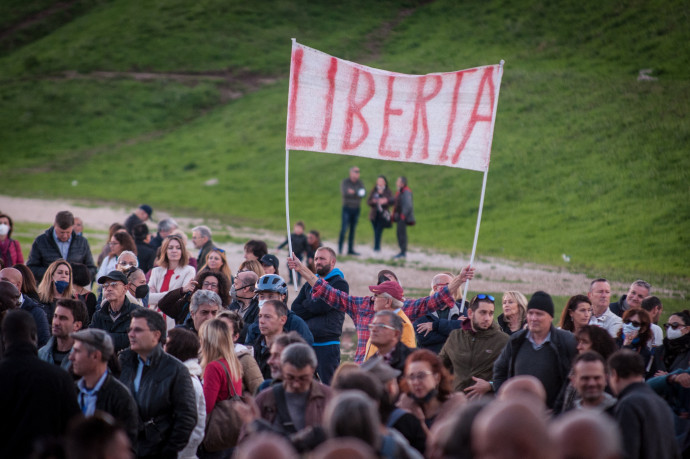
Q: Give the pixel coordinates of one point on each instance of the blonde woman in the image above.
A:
(56, 285)
(514, 313)
(172, 269)
(218, 362)
(216, 261)
(252, 265)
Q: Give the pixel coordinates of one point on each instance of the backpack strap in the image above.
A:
(282, 409)
(231, 389)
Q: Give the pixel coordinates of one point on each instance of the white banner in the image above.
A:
(341, 107)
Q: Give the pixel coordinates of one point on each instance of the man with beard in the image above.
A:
(70, 316)
(325, 323)
(470, 351)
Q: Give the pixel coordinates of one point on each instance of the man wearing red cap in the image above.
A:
(388, 296)
(362, 309)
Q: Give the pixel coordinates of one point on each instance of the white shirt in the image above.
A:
(608, 321)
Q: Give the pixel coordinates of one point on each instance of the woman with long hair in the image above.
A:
(221, 368)
(637, 335)
(514, 316)
(426, 387)
(172, 270)
(56, 285)
(119, 242)
(576, 314)
(252, 265)
(216, 261)
(380, 199)
(10, 250)
(674, 353)
(251, 374)
(176, 302)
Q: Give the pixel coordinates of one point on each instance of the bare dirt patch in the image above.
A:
(415, 274)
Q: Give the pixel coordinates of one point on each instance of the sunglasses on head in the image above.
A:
(483, 296)
(217, 249)
(635, 323)
(674, 325)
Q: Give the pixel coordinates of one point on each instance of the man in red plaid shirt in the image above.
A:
(361, 308)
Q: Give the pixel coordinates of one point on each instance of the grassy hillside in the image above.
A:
(586, 161)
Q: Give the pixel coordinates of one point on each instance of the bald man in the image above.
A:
(601, 432)
(522, 385)
(432, 329)
(14, 277)
(519, 426)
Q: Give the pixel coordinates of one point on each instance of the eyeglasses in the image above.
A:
(634, 323)
(418, 376)
(674, 325)
(483, 296)
(111, 285)
(375, 326)
(210, 284)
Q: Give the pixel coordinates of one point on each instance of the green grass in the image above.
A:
(586, 160)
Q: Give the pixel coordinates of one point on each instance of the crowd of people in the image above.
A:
(177, 355)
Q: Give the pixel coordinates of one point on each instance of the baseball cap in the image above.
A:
(270, 260)
(391, 287)
(113, 275)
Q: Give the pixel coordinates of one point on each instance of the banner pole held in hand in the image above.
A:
(481, 199)
(287, 214)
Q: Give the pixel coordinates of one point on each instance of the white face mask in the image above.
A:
(4, 229)
(674, 334)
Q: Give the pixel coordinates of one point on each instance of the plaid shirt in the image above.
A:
(361, 309)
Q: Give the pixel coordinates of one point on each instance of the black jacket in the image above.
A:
(166, 402)
(146, 255)
(617, 307)
(646, 423)
(324, 321)
(249, 318)
(117, 329)
(115, 399)
(45, 250)
(37, 400)
(562, 342)
(42, 328)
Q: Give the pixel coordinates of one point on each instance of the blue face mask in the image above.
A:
(629, 328)
(60, 286)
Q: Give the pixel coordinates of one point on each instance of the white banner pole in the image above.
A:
(486, 173)
(287, 213)
(476, 231)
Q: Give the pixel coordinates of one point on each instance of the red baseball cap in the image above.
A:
(391, 287)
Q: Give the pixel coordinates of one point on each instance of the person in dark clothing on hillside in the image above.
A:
(142, 214)
(145, 253)
(403, 214)
(353, 191)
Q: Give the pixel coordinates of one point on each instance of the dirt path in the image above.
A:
(415, 274)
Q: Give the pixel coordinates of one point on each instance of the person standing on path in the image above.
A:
(353, 191)
(403, 214)
(380, 199)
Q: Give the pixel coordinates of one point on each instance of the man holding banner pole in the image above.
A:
(361, 308)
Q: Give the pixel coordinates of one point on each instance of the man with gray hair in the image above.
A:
(299, 401)
(638, 291)
(98, 389)
(204, 306)
(165, 228)
(386, 330)
(201, 237)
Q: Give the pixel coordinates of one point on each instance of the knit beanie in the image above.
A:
(541, 301)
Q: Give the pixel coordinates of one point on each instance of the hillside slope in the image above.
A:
(587, 160)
